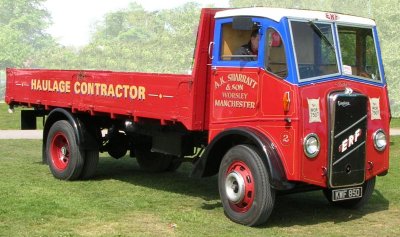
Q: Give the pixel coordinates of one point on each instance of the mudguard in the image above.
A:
(208, 164)
(84, 138)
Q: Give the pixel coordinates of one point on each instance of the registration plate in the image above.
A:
(346, 193)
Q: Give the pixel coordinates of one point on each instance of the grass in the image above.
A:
(13, 121)
(124, 201)
(395, 123)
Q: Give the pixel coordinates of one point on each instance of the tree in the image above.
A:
(137, 40)
(386, 14)
(22, 25)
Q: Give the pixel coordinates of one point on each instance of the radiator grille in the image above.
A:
(348, 126)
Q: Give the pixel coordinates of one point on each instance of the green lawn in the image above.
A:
(13, 121)
(395, 123)
(124, 201)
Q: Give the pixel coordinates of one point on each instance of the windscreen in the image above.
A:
(358, 51)
(315, 49)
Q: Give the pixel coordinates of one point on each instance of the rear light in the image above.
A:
(311, 145)
(380, 141)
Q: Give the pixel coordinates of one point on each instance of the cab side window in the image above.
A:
(275, 54)
(239, 45)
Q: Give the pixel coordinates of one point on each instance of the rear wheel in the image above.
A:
(244, 187)
(175, 164)
(368, 189)
(90, 166)
(118, 145)
(64, 156)
(153, 161)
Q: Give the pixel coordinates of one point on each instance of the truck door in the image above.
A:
(235, 79)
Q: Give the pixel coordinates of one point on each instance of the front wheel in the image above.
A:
(368, 189)
(245, 191)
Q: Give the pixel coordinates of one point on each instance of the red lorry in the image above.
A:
(306, 109)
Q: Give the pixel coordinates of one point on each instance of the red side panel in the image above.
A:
(159, 96)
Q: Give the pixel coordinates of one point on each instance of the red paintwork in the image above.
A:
(249, 192)
(268, 117)
(312, 169)
(211, 99)
(166, 97)
(59, 159)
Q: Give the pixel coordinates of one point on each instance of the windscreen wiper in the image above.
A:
(321, 34)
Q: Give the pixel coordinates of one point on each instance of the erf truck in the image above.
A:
(308, 110)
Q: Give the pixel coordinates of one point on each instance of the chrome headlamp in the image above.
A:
(311, 145)
(380, 141)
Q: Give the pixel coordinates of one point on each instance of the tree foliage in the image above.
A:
(134, 39)
(22, 27)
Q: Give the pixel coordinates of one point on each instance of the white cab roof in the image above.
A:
(277, 14)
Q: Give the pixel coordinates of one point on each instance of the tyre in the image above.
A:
(174, 164)
(245, 191)
(63, 154)
(118, 145)
(90, 164)
(153, 161)
(368, 189)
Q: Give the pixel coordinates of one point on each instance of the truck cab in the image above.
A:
(312, 101)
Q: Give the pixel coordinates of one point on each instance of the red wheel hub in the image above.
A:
(60, 151)
(239, 186)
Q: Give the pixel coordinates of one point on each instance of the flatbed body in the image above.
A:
(168, 98)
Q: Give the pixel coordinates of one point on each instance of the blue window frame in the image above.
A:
(222, 59)
(225, 48)
(265, 25)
